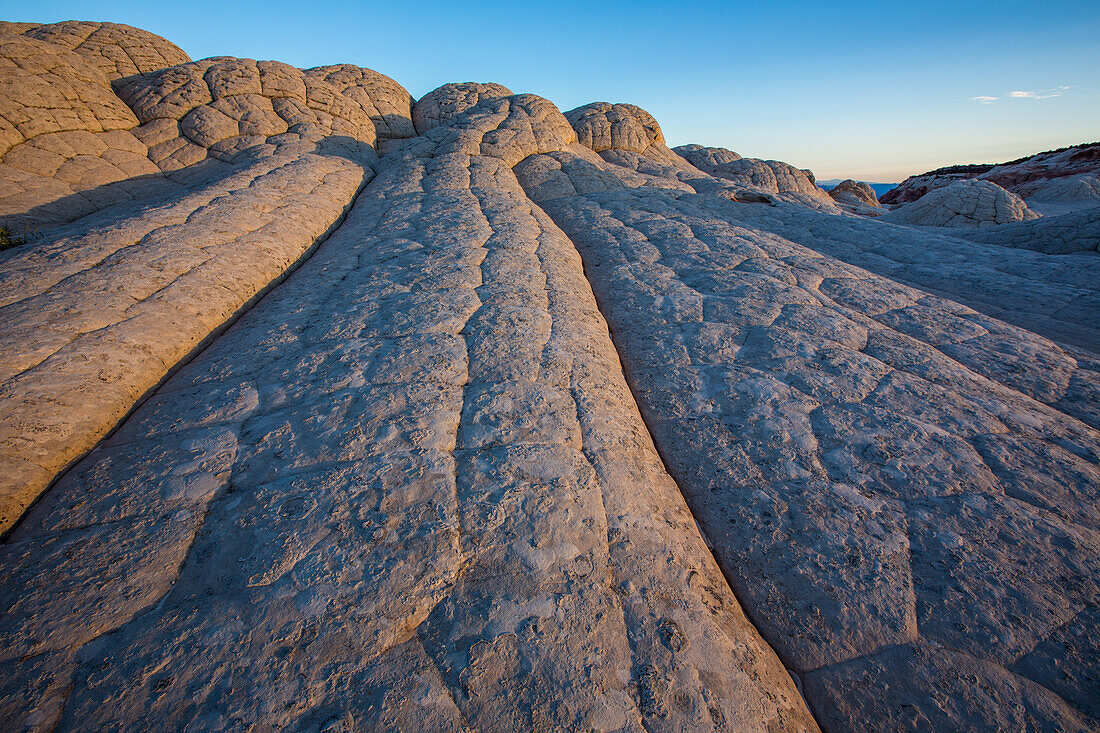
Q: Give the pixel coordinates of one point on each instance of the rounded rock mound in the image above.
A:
(1049, 196)
(388, 104)
(221, 106)
(706, 158)
(768, 176)
(604, 126)
(115, 49)
(968, 204)
(854, 193)
(450, 100)
(63, 132)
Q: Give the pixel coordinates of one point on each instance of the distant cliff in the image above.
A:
(1068, 161)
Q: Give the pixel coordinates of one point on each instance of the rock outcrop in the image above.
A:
(1023, 176)
(467, 414)
(770, 176)
(89, 121)
(967, 204)
(417, 463)
(793, 409)
(1065, 234)
(856, 197)
(450, 100)
(64, 134)
(1052, 196)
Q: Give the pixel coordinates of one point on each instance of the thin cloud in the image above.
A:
(1038, 94)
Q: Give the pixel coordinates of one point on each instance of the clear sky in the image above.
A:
(874, 91)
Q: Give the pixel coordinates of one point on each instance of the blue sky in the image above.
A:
(874, 91)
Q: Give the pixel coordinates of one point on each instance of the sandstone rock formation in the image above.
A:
(62, 130)
(773, 176)
(913, 187)
(450, 100)
(436, 508)
(968, 204)
(94, 114)
(1051, 196)
(1017, 176)
(856, 197)
(417, 393)
(1065, 234)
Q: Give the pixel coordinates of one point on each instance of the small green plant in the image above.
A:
(9, 240)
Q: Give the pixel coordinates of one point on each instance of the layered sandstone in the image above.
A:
(1039, 178)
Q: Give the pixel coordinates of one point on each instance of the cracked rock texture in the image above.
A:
(856, 452)
(1050, 197)
(772, 176)
(856, 197)
(409, 489)
(968, 204)
(347, 412)
(97, 114)
(1073, 232)
(450, 100)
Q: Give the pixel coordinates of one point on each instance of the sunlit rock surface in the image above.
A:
(467, 414)
(1051, 182)
(856, 197)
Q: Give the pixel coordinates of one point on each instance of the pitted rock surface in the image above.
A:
(443, 104)
(964, 204)
(418, 484)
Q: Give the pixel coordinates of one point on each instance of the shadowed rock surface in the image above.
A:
(964, 204)
(1053, 196)
(1065, 234)
(419, 484)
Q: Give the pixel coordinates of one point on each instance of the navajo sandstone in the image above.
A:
(329, 409)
